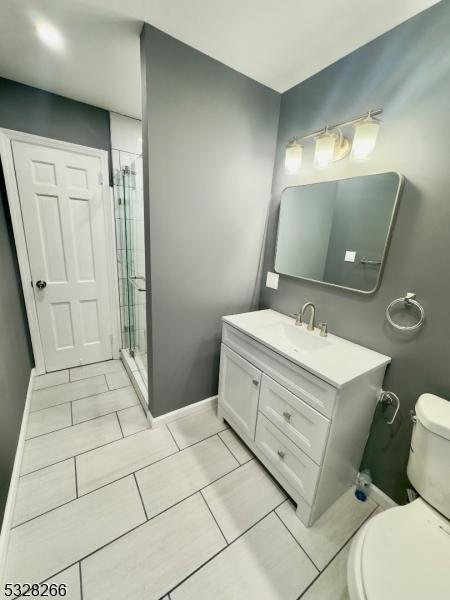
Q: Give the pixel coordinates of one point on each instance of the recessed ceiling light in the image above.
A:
(49, 35)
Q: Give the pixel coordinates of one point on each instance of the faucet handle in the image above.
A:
(323, 329)
(297, 317)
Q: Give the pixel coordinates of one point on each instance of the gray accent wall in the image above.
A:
(209, 145)
(31, 110)
(406, 71)
(16, 359)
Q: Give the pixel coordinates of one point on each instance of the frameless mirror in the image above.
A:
(337, 232)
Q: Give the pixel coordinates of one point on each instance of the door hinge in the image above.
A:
(100, 178)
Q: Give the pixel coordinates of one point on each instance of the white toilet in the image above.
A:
(404, 552)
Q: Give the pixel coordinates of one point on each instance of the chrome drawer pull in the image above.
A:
(287, 416)
(255, 382)
(281, 454)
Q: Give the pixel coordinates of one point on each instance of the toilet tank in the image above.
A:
(429, 457)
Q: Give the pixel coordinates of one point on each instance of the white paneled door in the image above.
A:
(61, 197)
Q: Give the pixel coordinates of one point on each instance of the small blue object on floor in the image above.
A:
(363, 485)
(361, 495)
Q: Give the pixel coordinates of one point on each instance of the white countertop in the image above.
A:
(331, 358)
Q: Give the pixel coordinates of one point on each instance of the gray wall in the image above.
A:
(407, 72)
(209, 144)
(15, 350)
(28, 109)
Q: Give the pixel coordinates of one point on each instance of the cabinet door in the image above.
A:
(239, 391)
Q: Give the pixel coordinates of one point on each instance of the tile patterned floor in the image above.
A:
(182, 512)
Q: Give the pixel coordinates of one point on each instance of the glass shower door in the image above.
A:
(132, 258)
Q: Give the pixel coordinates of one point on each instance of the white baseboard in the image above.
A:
(14, 483)
(185, 411)
(381, 498)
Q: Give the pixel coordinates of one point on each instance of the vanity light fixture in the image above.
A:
(324, 152)
(365, 138)
(293, 158)
(332, 145)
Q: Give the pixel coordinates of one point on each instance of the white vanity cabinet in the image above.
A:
(308, 428)
(240, 390)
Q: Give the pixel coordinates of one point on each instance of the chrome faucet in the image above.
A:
(313, 315)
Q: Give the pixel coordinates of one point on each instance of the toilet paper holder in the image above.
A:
(388, 399)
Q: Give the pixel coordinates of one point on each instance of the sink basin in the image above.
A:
(332, 358)
(298, 338)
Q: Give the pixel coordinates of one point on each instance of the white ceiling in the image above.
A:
(276, 42)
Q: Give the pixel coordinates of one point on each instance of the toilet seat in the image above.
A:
(401, 554)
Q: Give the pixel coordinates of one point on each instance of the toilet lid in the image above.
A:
(406, 554)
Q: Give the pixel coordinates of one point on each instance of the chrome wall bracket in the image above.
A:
(390, 399)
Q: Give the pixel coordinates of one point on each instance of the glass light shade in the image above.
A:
(49, 35)
(325, 147)
(365, 138)
(293, 158)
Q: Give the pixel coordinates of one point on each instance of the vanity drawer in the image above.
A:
(311, 389)
(307, 428)
(287, 459)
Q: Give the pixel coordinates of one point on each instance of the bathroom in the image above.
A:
(147, 448)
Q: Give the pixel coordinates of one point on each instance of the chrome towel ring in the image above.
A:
(409, 302)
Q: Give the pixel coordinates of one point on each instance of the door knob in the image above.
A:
(41, 284)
